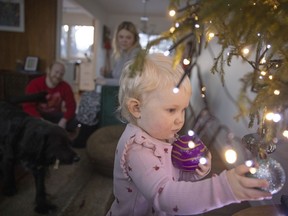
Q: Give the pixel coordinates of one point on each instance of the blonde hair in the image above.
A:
(157, 72)
(129, 26)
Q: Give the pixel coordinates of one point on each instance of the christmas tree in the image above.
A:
(240, 28)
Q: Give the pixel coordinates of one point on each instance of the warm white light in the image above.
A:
(175, 90)
(263, 60)
(258, 34)
(263, 73)
(203, 88)
(230, 156)
(167, 53)
(197, 26)
(172, 29)
(203, 160)
(186, 61)
(191, 144)
(191, 133)
(268, 46)
(269, 116)
(252, 170)
(211, 35)
(276, 92)
(276, 117)
(270, 77)
(245, 51)
(172, 13)
(285, 133)
(249, 163)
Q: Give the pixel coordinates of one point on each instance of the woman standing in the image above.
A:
(125, 46)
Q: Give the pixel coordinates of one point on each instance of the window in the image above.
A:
(77, 42)
(163, 46)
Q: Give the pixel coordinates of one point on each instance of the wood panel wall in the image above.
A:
(38, 39)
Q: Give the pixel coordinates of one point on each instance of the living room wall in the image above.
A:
(38, 38)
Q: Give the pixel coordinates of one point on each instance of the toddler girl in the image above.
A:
(145, 181)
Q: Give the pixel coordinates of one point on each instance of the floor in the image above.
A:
(76, 189)
(80, 190)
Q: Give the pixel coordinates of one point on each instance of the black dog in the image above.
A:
(35, 143)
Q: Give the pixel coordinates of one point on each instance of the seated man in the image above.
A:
(60, 105)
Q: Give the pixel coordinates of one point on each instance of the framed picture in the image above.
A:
(12, 15)
(31, 63)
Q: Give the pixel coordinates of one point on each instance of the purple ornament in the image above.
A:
(187, 152)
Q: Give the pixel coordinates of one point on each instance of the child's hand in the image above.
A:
(244, 188)
(204, 169)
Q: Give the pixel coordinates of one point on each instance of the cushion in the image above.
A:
(101, 146)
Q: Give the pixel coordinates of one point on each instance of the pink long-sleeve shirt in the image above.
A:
(147, 183)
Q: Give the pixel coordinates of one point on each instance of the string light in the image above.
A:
(249, 163)
(167, 53)
(186, 61)
(275, 117)
(285, 133)
(191, 133)
(263, 60)
(172, 13)
(175, 90)
(203, 160)
(245, 51)
(263, 68)
(191, 144)
(211, 35)
(230, 156)
(269, 116)
(172, 29)
(252, 170)
(276, 92)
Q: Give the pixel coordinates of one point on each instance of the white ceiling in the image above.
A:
(127, 7)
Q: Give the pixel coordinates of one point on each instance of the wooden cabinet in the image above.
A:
(12, 83)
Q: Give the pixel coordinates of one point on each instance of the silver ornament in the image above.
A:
(272, 171)
(253, 142)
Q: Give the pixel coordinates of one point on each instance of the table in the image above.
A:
(265, 210)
